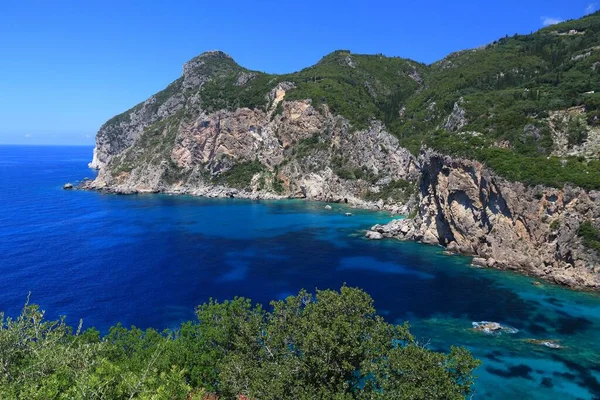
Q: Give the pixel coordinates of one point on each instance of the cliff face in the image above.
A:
(172, 143)
(470, 210)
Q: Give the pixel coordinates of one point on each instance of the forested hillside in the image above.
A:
(526, 105)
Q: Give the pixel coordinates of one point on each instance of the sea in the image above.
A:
(148, 260)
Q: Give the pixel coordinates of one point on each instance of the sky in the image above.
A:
(68, 66)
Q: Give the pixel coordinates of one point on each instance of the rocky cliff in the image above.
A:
(467, 208)
(174, 142)
(339, 131)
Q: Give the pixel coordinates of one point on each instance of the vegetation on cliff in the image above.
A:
(328, 346)
(506, 92)
(523, 105)
(589, 235)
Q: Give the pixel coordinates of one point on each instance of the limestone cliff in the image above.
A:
(470, 210)
(175, 142)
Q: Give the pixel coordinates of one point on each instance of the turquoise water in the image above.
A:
(147, 260)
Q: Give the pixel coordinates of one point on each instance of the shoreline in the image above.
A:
(222, 192)
(394, 232)
(396, 211)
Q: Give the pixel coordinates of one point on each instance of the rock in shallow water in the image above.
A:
(68, 186)
(550, 343)
(479, 262)
(493, 327)
(372, 235)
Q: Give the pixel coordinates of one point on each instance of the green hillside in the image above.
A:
(507, 90)
(506, 104)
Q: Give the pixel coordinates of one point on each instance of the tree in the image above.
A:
(328, 346)
(334, 346)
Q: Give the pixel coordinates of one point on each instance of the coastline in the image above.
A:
(392, 230)
(226, 192)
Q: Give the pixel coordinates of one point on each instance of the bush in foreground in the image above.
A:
(328, 346)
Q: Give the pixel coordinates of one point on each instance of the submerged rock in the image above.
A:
(493, 327)
(328, 207)
(550, 343)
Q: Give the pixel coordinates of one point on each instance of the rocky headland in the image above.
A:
(478, 152)
(468, 209)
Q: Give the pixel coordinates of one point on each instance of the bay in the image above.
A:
(148, 260)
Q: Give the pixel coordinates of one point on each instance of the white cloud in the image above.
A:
(592, 7)
(547, 21)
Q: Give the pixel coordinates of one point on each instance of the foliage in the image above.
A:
(358, 87)
(152, 147)
(309, 145)
(399, 190)
(345, 169)
(530, 169)
(505, 91)
(328, 346)
(590, 235)
(278, 185)
(222, 93)
(576, 133)
(507, 88)
(241, 174)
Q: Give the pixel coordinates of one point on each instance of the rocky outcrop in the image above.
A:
(121, 132)
(457, 119)
(285, 145)
(470, 210)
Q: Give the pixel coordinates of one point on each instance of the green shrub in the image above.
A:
(278, 185)
(310, 145)
(399, 190)
(590, 235)
(241, 174)
(576, 133)
(331, 345)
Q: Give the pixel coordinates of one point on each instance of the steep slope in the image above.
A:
(221, 129)
(540, 231)
(504, 143)
(522, 105)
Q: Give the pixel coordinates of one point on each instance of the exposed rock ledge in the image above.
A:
(469, 210)
(210, 191)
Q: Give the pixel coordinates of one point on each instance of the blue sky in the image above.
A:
(67, 66)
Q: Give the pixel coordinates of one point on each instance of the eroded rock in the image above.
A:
(507, 225)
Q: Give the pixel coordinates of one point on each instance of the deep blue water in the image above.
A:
(148, 260)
